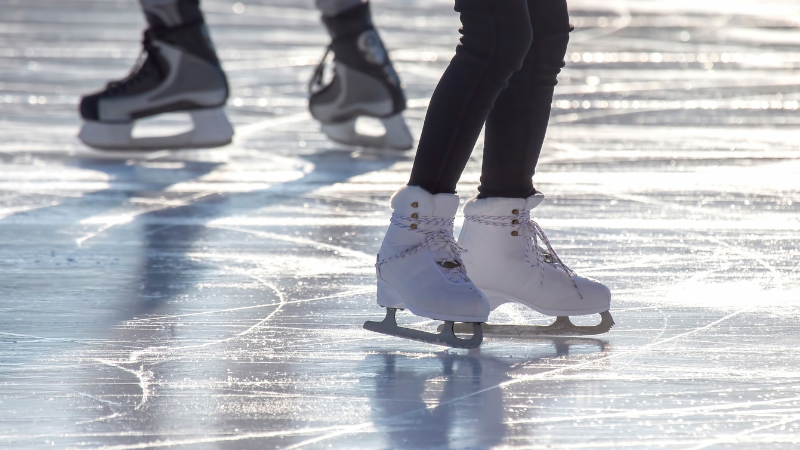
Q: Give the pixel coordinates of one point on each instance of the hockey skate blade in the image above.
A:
(446, 335)
(396, 137)
(561, 327)
(211, 128)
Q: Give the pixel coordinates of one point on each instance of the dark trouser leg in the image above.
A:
(182, 21)
(171, 13)
(330, 8)
(516, 126)
(496, 36)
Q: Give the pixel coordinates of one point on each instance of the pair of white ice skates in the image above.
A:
(421, 268)
(179, 72)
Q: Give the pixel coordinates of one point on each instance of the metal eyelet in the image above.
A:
(515, 233)
(414, 205)
(415, 216)
(515, 222)
(515, 212)
(413, 226)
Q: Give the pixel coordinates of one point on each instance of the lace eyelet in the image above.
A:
(413, 226)
(515, 222)
(414, 205)
(515, 211)
(415, 216)
(515, 233)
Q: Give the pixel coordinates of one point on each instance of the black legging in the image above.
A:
(503, 74)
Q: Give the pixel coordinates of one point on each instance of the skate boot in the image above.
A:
(364, 83)
(178, 71)
(419, 268)
(505, 260)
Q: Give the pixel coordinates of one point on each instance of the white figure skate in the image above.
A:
(178, 71)
(419, 268)
(364, 84)
(506, 262)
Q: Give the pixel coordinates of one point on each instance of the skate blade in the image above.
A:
(561, 327)
(396, 137)
(446, 335)
(211, 128)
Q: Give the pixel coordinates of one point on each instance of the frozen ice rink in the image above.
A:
(214, 299)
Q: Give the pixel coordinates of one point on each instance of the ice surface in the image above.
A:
(214, 299)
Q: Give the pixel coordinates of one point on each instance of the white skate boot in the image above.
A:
(419, 268)
(364, 84)
(506, 262)
(178, 71)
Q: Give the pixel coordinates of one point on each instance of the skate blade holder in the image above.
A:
(396, 135)
(210, 128)
(446, 336)
(561, 327)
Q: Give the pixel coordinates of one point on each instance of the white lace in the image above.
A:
(441, 235)
(533, 234)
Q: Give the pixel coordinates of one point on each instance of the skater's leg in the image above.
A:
(164, 16)
(419, 266)
(364, 81)
(508, 255)
(515, 128)
(496, 36)
(180, 71)
(331, 8)
(171, 13)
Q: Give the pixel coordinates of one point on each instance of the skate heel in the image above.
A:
(388, 297)
(106, 135)
(211, 128)
(397, 136)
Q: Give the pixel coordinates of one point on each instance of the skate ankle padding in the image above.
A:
(494, 206)
(534, 200)
(410, 200)
(193, 38)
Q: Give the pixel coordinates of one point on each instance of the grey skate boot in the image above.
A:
(364, 83)
(178, 71)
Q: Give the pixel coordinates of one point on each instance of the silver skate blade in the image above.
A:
(561, 327)
(445, 337)
(211, 128)
(397, 135)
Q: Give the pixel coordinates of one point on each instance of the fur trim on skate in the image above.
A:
(478, 206)
(439, 205)
(410, 190)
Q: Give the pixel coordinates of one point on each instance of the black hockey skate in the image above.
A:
(178, 70)
(364, 84)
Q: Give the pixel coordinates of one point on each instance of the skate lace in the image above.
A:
(533, 234)
(316, 82)
(442, 238)
(139, 72)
